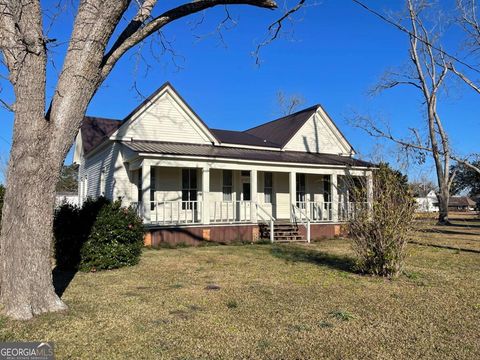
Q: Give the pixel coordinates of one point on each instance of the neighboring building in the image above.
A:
(67, 198)
(191, 182)
(461, 203)
(428, 203)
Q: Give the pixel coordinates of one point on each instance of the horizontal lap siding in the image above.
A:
(164, 120)
(315, 136)
(117, 181)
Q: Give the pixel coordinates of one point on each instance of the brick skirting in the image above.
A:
(225, 234)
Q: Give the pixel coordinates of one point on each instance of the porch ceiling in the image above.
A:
(184, 149)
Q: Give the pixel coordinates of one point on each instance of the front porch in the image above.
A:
(207, 197)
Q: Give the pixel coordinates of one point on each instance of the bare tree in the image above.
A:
(288, 104)
(43, 136)
(426, 73)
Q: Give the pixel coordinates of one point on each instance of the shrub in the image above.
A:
(69, 236)
(100, 235)
(380, 232)
(116, 239)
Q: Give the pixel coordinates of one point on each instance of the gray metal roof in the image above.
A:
(241, 138)
(194, 150)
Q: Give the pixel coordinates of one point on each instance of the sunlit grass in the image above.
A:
(267, 302)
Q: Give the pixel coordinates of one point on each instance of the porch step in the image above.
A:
(283, 231)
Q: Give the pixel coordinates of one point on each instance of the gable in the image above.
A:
(319, 135)
(281, 130)
(165, 117)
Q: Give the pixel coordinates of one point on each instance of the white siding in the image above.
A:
(117, 180)
(317, 136)
(164, 120)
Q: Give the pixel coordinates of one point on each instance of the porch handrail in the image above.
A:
(261, 212)
(168, 212)
(347, 210)
(302, 216)
(233, 211)
(317, 211)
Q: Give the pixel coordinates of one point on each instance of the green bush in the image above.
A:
(100, 235)
(116, 239)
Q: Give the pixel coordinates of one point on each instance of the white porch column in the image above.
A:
(253, 194)
(292, 191)
(334, 195)
(146, 168)
(370, 190)
(206, 196)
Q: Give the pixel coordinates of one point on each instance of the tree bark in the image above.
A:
(25, 242)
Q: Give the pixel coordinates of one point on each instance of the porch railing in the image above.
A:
(266, 216)
(176, 212)
(299, 216)
(317, 211)
(230, 211)
(348, 210)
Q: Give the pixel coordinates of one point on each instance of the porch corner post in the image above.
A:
(206, 196)
(335, 202)
(146, 212)
(370, 191)
(292, 191)
(253, 194)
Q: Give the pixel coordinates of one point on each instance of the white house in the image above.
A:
(428, 203)
(283, 180)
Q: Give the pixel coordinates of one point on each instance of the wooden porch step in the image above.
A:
(283, 231)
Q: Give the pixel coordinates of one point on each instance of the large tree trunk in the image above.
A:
(26, 238)
(443, 197)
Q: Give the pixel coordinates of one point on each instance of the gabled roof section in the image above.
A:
(150, 100)
(95, 130)
(281, 130)
(461, 201)
(242, 138)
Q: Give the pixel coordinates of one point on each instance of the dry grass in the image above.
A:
(463, 234)
(274, 302)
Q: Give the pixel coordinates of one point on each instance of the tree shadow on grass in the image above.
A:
(61, 280)
(304, 254)
(448, 232)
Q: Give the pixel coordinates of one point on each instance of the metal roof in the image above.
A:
(96, 130)
(280, 131)
(241, 138)
(194, 150)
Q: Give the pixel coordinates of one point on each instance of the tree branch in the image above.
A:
(133, 37)
(465, 79)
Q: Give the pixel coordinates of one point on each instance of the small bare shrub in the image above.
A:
(380, 231)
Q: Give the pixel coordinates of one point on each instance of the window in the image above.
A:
(268, 187)
(189, 188)
(246, 190)
(300, 190)
(327, 185)
(227, 185)
(152, 188)
(102, 183)
(84, 188)
(139, 186)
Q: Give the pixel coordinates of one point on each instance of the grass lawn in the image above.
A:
(273, 302)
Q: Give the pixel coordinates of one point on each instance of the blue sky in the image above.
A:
(332, 54)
